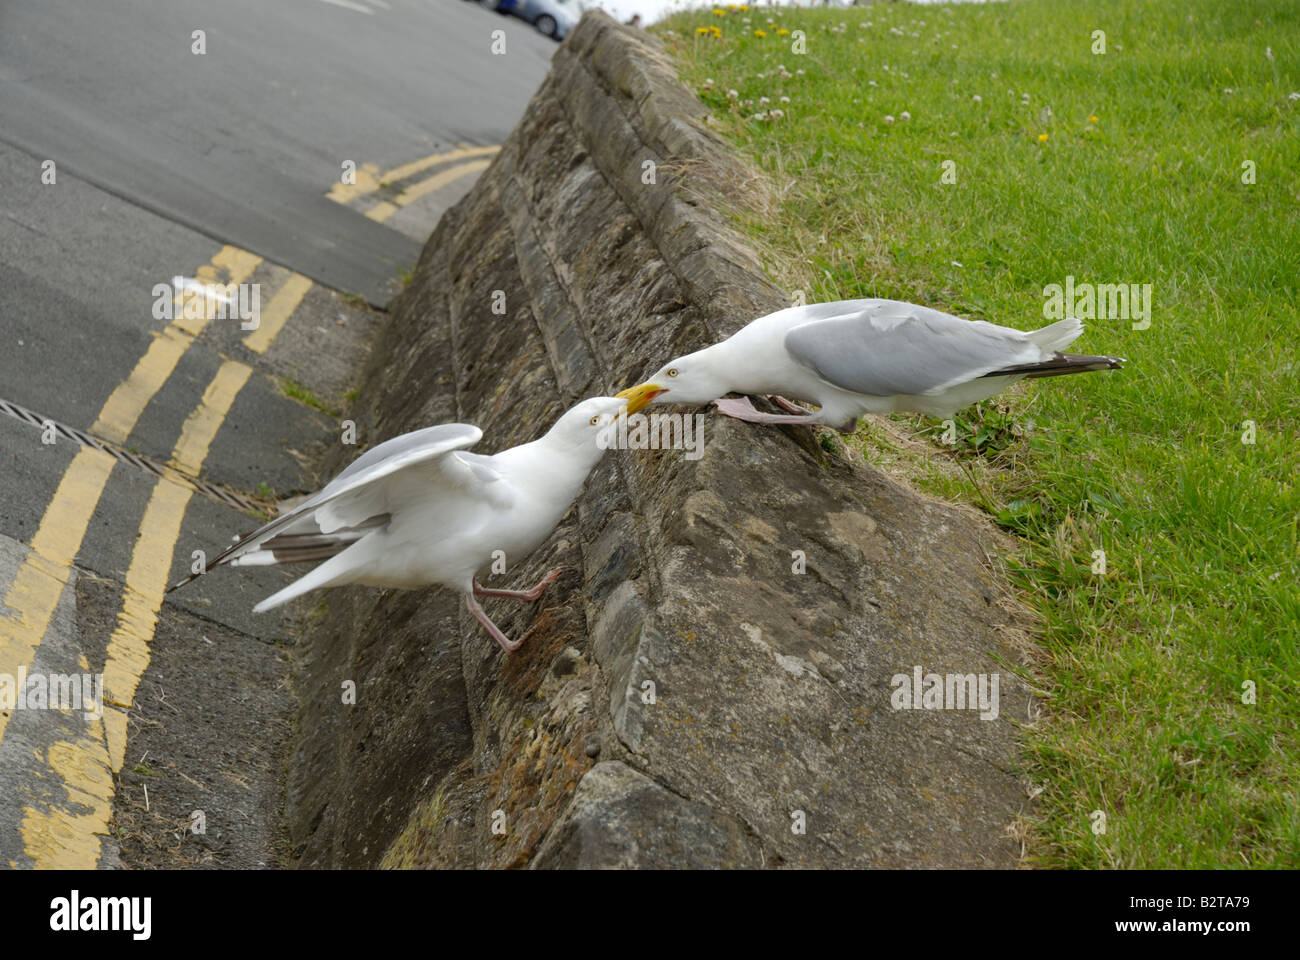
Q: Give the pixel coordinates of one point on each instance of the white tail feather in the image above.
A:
(336, 570)
(1057, 336)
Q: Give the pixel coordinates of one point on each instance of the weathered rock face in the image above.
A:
(684, 697)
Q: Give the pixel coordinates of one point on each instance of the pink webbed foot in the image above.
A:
(743, 409)
(788, 406)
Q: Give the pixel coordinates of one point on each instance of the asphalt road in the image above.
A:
(240, 141)
(224, 167)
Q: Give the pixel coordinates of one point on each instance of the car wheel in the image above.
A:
(546, 24)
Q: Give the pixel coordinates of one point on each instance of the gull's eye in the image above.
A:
(595, 421)
(672, 371)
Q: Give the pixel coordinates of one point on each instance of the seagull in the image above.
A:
(420, 509)
(852, 357)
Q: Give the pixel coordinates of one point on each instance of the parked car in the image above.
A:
(554, 18)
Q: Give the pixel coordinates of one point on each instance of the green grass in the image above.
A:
(296, 391)
(1144, 666)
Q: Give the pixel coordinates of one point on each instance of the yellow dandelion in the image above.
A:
(760, 33)
(1093, 119)
(717, 12)
(1042, 138)
(715, 32)
(701, 30)
(782, 32)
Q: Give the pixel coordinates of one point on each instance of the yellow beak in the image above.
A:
(639, 396)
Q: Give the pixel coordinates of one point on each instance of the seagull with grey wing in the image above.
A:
(852, 357)
(420, 509)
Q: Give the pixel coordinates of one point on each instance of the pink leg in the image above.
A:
(787, 406)
(743, 409)
(528, 595)
(491, 627)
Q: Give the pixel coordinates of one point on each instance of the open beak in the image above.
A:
(639, 397)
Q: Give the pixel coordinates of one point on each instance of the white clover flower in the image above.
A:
(763, 101)
(977, 98)
(799, 72)
(732, 94)
(785, 99)
(904, 116)
(1294, 96)
(872, 83)
(778, 114)
(888, 119)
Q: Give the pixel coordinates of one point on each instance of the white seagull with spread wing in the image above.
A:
(420, 509)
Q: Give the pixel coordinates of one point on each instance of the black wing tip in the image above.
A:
(180, 583)
(1061, 364)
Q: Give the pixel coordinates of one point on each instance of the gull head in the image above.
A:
(583, 424)
(691, 379)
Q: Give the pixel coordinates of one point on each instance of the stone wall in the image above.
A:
(772, 689)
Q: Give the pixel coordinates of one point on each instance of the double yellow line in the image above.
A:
(68, 835)
(59, 836)
(369, 180)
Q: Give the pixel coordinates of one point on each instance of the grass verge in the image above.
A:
(968, 157)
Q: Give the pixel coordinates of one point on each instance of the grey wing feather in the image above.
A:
(885, 348)
(400, 451)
